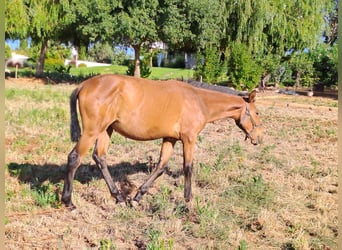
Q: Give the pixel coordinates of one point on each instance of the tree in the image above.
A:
(331, 18)
(276, 26)
(190, 25)
(40, 20)
(16, 19)
(135, 25)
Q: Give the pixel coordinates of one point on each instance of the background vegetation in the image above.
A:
(289, 41)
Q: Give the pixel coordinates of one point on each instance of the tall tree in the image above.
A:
(276, 26)
(46, 21)
(191, 24)
(331, 17)
(16, 19)
(135, 25)
(41, 20)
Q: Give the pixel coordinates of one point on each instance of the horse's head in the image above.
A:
(249, 121)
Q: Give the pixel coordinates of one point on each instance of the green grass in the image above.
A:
(157, 73)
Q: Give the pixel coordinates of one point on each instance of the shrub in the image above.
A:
(51, 64)
(177, 62)
(243, 71)
(325, 64)
(82, 65)
(209, 65)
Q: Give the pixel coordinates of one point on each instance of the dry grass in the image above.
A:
(279, 195)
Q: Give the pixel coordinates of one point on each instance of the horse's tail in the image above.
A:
(75, 129)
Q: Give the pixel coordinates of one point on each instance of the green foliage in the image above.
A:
(107, 245)
(302, 67)
(209, 65)
(8, 51)
(57, 51)
(16, 19)
(45, 195)
(325, 64)
(243, 70)
(177, 62)
(52, 64)
(156, 243)
(120, 57)
(253, 194)
(243, 245)
(101, 52)
(145, 70)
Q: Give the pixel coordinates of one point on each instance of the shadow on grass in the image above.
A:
(38, 174)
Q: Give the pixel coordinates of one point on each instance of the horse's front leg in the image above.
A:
(165, 154)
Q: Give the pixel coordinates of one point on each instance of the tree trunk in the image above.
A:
(136, 61)
(297, 84)
(151, 57)
(40, 63)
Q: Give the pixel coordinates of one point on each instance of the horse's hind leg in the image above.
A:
(165, 154)
(74, 161)
(188, 155)
(99, 156)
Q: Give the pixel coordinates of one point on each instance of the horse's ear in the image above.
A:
(251, 97)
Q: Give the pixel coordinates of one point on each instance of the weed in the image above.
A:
(161, 202)
(155, 243)
(218, 164)
(210, 225)
(243, 245)
(44, 196)
(266, 156)
(107, 245)
(253, 194)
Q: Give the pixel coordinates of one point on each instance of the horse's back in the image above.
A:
(138, 108)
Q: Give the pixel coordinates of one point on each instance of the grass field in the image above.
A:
(279, 195)
(156, 72)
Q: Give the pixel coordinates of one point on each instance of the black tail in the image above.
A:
(75, 129)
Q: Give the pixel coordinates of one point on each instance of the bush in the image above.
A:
(325, 64)
(101, 52)
(209, 65)
(177, 62)
(52, 64)
(243, 71)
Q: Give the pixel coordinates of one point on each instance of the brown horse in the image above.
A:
(143, 109)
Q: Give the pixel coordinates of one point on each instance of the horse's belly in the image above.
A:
(145, 133)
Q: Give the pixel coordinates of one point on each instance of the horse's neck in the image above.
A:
(221, 105)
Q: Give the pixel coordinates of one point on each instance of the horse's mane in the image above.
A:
(218, 88)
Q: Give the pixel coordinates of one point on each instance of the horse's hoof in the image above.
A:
(70, 207)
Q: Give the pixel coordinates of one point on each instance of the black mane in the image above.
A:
(218, 88)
